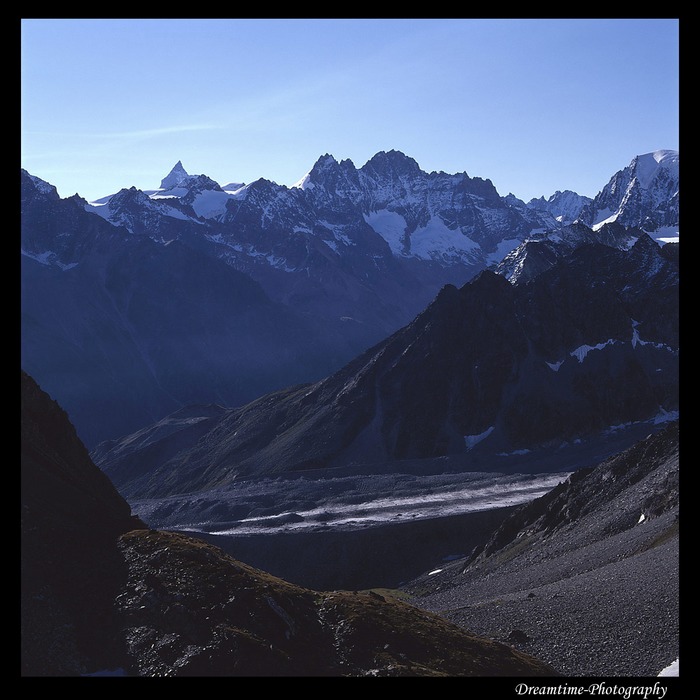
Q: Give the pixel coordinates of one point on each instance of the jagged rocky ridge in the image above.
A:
(586, 342)
(196, 293)
(564, 206)
(586, 576)
(103, 595)
(126, 329)
(121, 297)
(644, 194)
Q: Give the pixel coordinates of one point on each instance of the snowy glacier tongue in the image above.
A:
(351, 502)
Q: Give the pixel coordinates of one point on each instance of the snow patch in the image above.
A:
(48, 258)
(672, 669)
(502, 249)
(210, 203)
(554, 366)
(435, 241)
(43, 258)
(391, 226)
(604, 216)
(305, 183)
(472, 440)
(580, 352)
(664, 416)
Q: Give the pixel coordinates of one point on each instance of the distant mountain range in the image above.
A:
(143, 302)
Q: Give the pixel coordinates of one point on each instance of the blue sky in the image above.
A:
(534, 105)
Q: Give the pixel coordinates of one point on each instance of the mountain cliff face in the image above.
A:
(644, 194)
(589, 343)
(103, 595)
(581, 575)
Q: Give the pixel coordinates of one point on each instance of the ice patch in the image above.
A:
(434, 571)
(554, 366)
(665, 234)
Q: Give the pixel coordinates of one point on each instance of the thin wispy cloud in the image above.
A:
(127, 135)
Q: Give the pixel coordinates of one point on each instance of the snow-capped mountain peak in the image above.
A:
(645, 193)
(174, 177)
(646, 167)
(565, 206)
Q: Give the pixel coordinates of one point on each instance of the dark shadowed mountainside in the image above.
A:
(588, 343)
(103, 595)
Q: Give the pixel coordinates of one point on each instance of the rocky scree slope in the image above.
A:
(585, 577)
(103, 594)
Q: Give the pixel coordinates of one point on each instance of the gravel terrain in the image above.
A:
(596, 596)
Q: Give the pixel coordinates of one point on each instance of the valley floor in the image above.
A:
(350, 532)
(595, 600)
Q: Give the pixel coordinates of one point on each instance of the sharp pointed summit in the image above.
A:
(174, 177)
